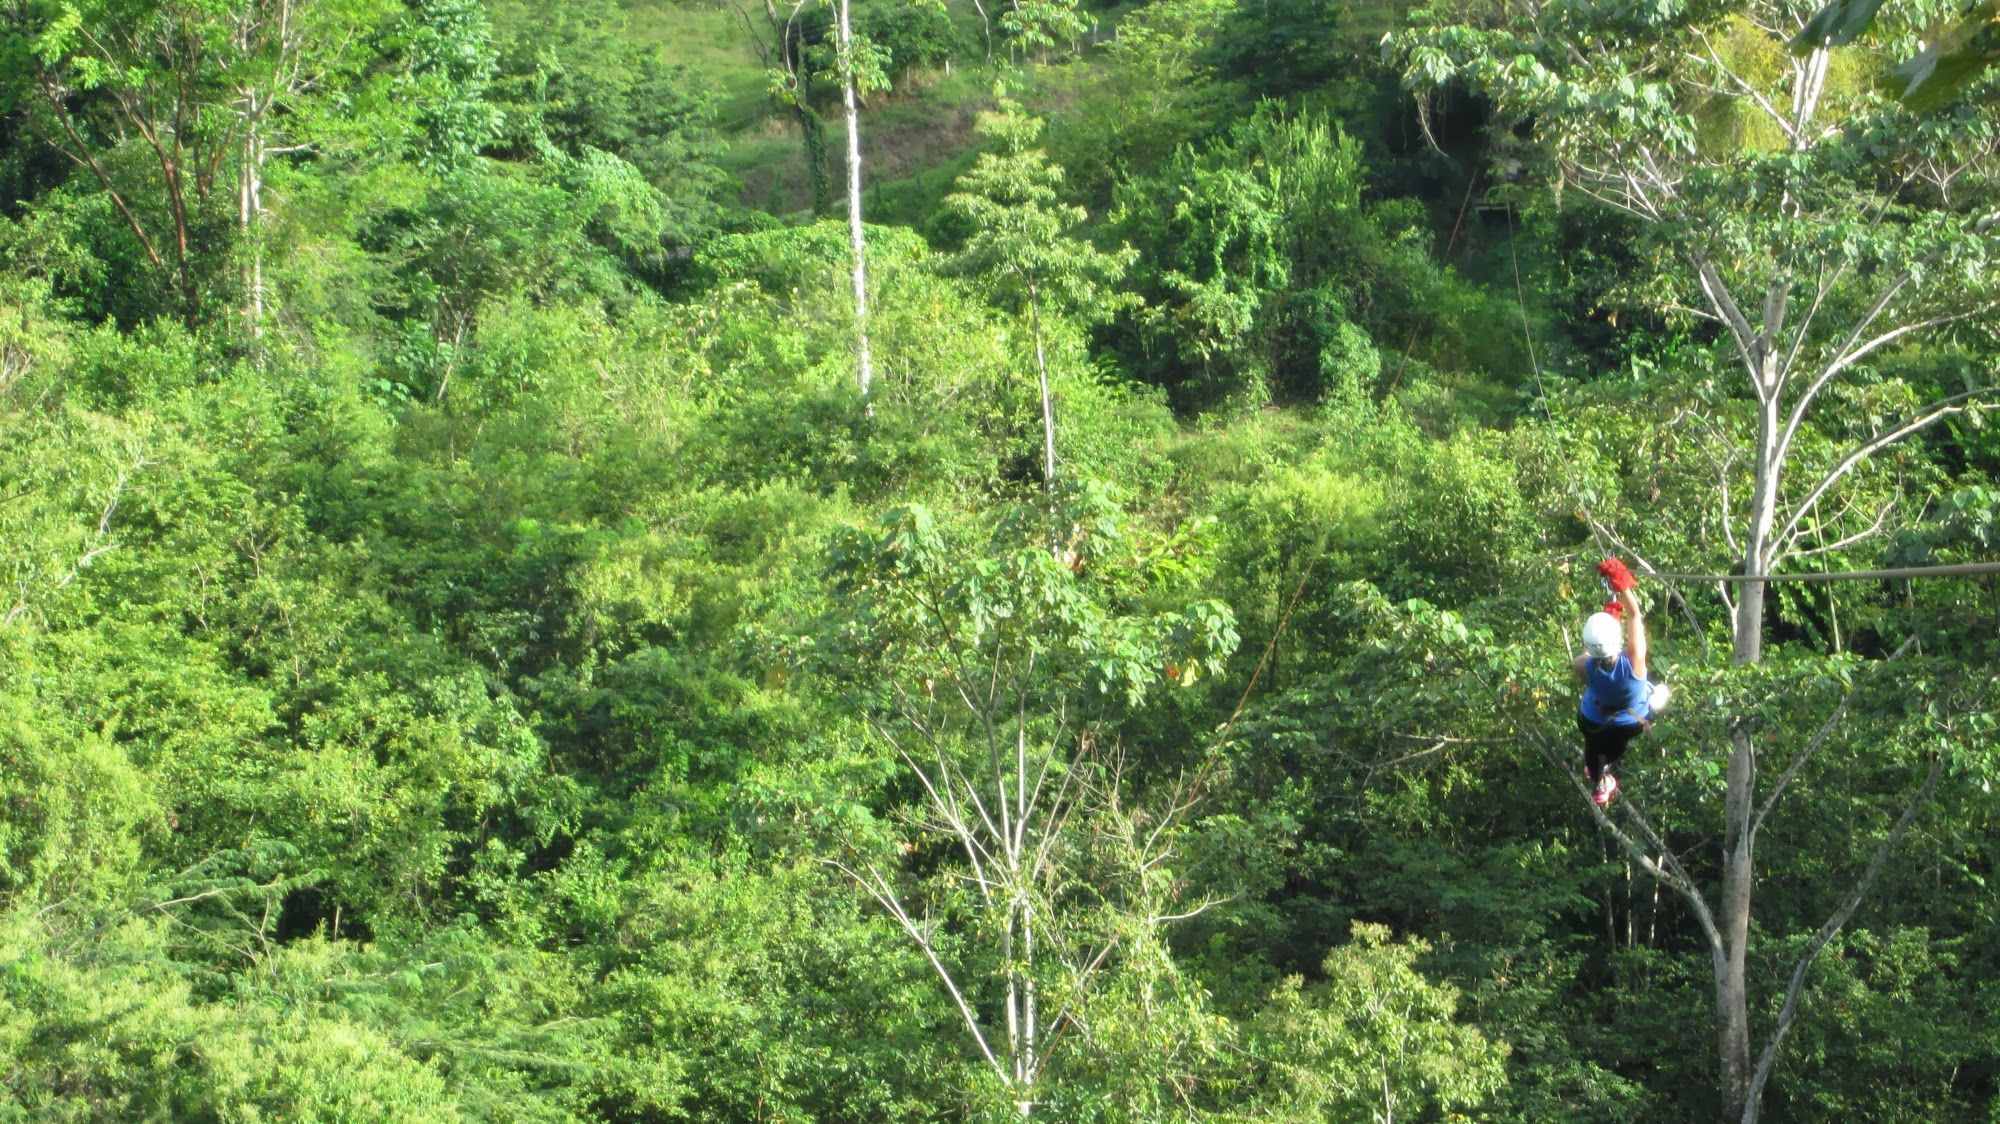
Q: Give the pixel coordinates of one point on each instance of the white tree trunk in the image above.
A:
(1048, 402)
(1788, 362)
(268, 29)
(985, 30)
(250, 211)
(856, 236)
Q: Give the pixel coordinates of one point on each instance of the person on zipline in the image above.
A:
(1618, 699)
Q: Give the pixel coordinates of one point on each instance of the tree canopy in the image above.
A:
(503, 616)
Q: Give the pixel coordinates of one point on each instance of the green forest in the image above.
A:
(949, 560)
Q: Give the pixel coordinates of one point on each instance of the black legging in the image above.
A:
(1604, 744)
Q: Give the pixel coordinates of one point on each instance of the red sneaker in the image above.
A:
(1607, 791)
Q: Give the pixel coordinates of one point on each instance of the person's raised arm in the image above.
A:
(1635, 632)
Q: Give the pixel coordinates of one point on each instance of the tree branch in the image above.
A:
(1818, 739)
(1868, 532)
(1852, 354)
(1788, 1012)
(1783, 122)
(1667, 869)
(96, 548)
(1717, 292)
(1932, 413)
(1798, 762)
(1652, 571)
(879, 889)
(83, 156)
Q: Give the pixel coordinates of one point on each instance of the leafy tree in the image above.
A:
(451, 60)
(1270, 275)
(998, 669)
(1955, 56)
(467, 246)
(1040, 27)
(1281, 47)
(782, 47)
(1374, 1040)
(1252, 266)
(1023, 249)
(1150, 96)
(573, 78)
(911, 34)
(1815, 227)
(165, 105)
(123, 1032)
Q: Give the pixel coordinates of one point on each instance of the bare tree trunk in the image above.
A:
(1788, 1011)
(1788, 363)
(1732, 987)
(856, 236)
(1021, 1003)
(985, 30)
(1748, 633)
(1028, 1039)
(249, 184)
(1007, 945)
(1048, 403)
(249, 213)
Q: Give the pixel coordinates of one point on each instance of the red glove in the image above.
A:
(1616, 609)
(1615, 575)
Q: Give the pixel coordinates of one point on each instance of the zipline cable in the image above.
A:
(1527, 330)
(1953, 570)
(1312, 559)
(1449, 245)
(1202, 773)
(1319, 548)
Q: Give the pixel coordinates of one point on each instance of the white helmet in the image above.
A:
(1603, 637)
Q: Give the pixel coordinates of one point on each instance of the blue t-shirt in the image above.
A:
(1615, 696)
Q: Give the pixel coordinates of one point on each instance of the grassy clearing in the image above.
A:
(914, 138)
(706, 38)
(914, 142)
(1372, 19)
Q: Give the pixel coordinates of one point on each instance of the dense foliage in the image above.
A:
(468, 650)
